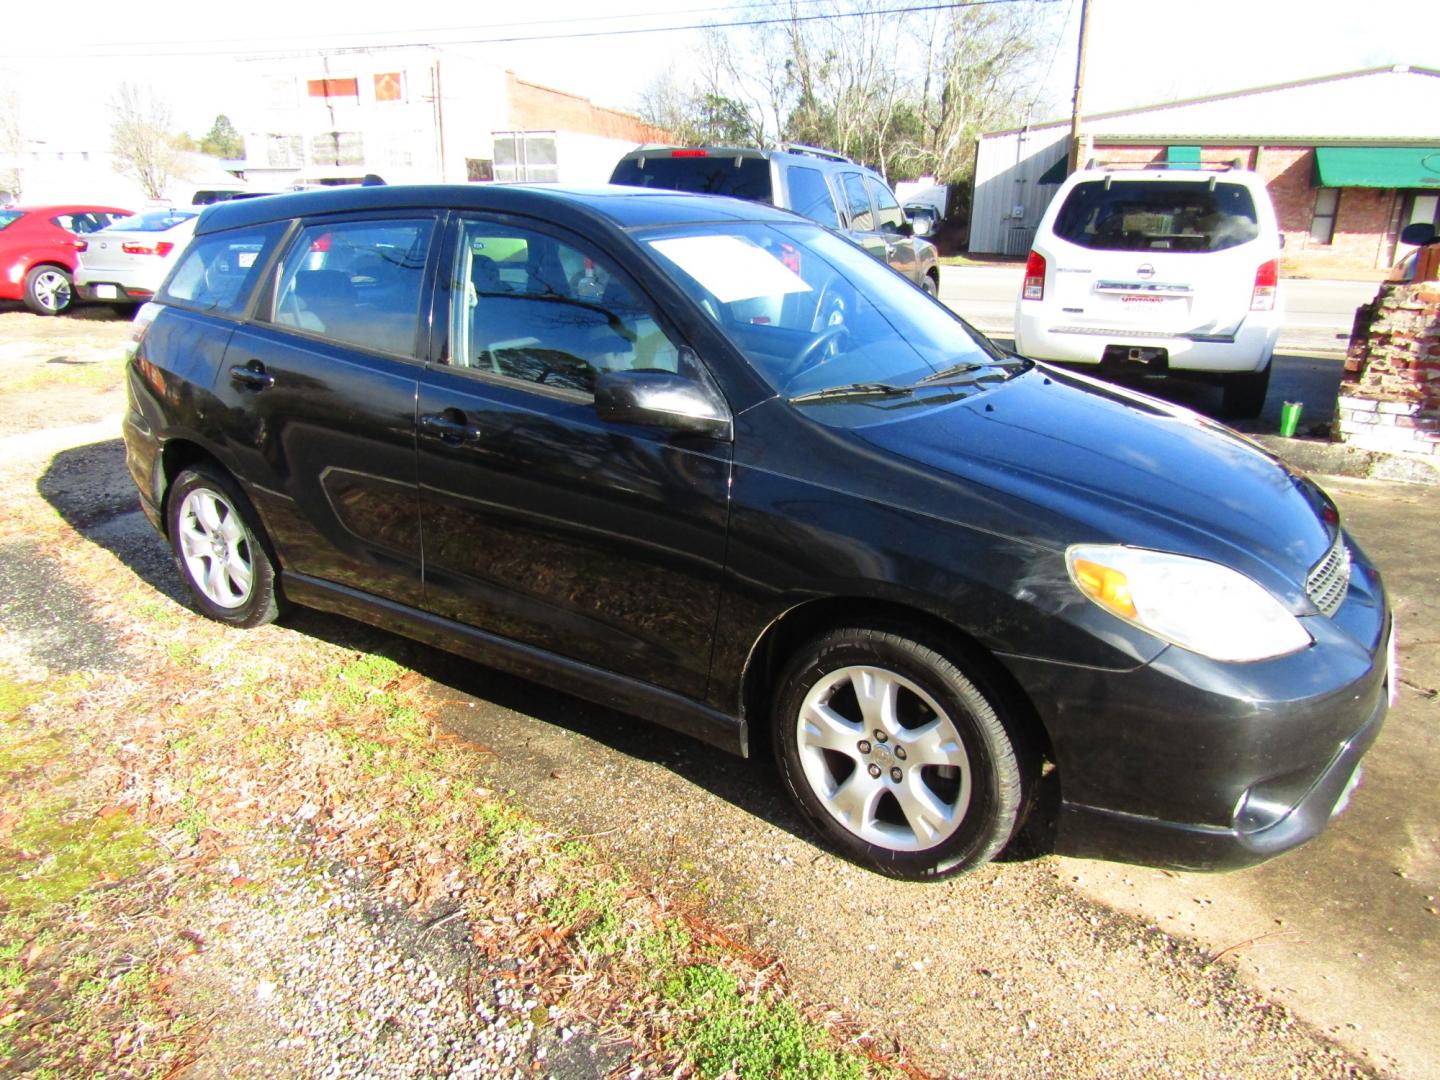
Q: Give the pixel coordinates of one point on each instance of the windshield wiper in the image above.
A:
(858, 389)
(965, 367)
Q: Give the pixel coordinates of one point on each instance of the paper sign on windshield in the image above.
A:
(731, 268)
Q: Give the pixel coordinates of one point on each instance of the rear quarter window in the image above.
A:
(810, 195)
(1138, 215)
(740, 178)
(219, 271)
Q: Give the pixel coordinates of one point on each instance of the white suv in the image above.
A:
(1158, 270)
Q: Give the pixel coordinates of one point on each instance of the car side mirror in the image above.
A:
(905, 229)
(662, 399)
(1418, 234)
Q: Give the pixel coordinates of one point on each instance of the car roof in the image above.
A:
(616, 205)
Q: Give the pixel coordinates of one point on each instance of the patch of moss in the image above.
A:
(53, 855)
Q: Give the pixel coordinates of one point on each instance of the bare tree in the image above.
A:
(12, 143)
(142, 140)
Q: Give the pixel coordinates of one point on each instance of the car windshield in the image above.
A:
(812, 311)
(1148, 215)
(9, 217)
(153, 221)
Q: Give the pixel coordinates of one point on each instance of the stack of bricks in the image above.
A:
(1390, 397)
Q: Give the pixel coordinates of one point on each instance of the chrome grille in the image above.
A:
(1329, 578)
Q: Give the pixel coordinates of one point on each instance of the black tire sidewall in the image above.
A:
(29, 297)
(262, 605)
(996, 777)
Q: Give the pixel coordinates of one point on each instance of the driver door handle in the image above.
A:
(451, 427)
(252, 376)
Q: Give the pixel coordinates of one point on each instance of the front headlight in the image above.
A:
(1198, 605)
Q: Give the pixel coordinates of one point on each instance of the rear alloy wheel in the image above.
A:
(1244, 393)
(930, 284)
(218, 552)
(898, 755)
(48, 290)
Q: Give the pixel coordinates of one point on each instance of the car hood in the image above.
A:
(1122, 467)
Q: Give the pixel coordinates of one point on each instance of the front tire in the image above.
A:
(217, 548)
(48, 289)
(897, 754)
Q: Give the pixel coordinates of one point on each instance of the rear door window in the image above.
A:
(218, 271)
(742, 178)
(356, 282)
(810, 195)
(857, 203)
(1138, 215)
(887, 211)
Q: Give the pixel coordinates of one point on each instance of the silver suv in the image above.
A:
(820, 184)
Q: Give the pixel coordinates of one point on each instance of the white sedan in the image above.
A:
(125, 263)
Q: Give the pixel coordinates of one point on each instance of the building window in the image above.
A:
(526, 155)
(334, 88)
(281, 91)
(1322, 223)
(337, 148)
(390, 86)
(477, 169)
(283, 151)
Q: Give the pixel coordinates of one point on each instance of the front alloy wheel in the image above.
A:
(898, 755)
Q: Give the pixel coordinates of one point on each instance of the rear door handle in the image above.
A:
(451, 427)
(252, 376)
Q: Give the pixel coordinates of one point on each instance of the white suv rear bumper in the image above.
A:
(1249, 350)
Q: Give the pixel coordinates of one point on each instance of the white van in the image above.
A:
(1158, 270)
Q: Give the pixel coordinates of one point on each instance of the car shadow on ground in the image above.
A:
(90, 487)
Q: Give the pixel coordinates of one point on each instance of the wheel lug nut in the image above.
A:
(900, 752)
(895, 775)
(864, 746)
(880, 736)
(875, 770)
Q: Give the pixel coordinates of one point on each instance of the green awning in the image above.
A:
(1377, 166)
(1056, 173)
(1183, 157)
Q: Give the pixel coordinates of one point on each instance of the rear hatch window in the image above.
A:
(1140, 215)
(740, 178)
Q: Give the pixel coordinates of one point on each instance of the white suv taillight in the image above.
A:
(1034, 287)
(1267, 280)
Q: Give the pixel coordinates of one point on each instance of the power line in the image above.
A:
(181, 48)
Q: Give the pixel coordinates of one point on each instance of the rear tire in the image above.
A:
(217, 548)
(898, 755)
(931, 284)
(48, 289)
(1244, 393)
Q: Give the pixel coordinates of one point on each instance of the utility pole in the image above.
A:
(1075, 162)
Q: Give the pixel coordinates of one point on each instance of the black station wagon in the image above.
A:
(619, 441)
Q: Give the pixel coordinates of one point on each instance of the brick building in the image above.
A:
(1349, 159)
(422, 114)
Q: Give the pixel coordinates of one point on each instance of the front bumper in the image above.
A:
(1248, 349)
(1200, 765)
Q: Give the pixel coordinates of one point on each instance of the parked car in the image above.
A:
(1156, 272)
(612, 440)
(38, 251)
(125, 262)
(822, 185)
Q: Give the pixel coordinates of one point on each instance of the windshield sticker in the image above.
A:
(731, 268)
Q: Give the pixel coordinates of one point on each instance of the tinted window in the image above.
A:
(1138, 215)
(82, 223)
(887, 210)
(9, 217)
(357, 282)
(155, 221)
(857, 204)
(810, 195)
(542, 311)
(217, 272)
(744, 178)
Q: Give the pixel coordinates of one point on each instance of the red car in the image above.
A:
(38, 246)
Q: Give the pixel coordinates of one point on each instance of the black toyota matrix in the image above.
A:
(709, 463)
